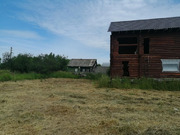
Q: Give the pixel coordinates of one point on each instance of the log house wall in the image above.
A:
(163, 44)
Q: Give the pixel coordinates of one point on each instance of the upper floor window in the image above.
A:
(127, 49)
(127, 45)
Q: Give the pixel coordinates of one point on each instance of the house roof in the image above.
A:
(149, 24)
(82, 62)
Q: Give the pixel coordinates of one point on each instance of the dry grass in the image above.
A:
(77, 107)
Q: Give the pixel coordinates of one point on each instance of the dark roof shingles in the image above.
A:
(149, 24)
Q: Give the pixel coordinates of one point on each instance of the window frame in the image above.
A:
(167, 63)
(123, 44)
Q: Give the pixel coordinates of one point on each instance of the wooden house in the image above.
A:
(82, 65)
(145, 48)
(102, 69)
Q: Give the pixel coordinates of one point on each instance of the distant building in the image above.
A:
(82, 65)
(105, 64)
(145, 48)
(103, 69)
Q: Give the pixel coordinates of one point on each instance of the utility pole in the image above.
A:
(11, 58)
(11, 53)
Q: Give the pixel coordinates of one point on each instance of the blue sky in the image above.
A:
(73, 28)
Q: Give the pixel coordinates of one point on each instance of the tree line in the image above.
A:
(43, 63)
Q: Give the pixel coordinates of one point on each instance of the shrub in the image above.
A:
(5, 77)
(104, 81)
(116, 83)
(27, 76)
(125, 83)
(171, 85)
(93, 76)
(142, 83)
(146, 83)
(26, 63)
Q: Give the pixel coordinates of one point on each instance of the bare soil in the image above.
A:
(78, 107)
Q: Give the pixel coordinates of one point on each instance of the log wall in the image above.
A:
(162, 45)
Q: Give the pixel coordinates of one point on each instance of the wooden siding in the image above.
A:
(162, 45)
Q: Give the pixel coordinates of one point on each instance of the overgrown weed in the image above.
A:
(100, 79)
(6, 75)
(142, 83)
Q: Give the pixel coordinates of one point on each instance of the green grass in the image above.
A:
(101, 80)
(142, 83)
(93, 76)
(104, 81)
(6, 75)
(27, 76)
(62, 74)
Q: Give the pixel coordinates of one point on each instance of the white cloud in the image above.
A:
(85, 21)
(88, 21)
(20, 34)
(21, 41)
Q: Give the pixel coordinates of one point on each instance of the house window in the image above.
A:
(170, 65)
(76, 69)
(146, 46)
(127, 49)
(127, 45)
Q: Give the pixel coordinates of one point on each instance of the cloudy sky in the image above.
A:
(73, 28)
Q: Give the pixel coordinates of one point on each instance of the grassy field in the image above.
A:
(78, 107)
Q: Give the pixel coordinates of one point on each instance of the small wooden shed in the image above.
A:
(145, 48)
(82, 65)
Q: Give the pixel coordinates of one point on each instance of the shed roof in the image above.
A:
(82, 62)
(148, 24)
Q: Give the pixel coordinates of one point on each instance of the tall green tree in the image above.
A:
(22, 63)
(43, 63)
(6, 61)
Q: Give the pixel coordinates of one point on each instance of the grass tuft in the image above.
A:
(101, 80)
(63, 74)
(5, 75)
(142, 83)
(104, 81)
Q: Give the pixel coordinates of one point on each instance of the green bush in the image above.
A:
(27, 76)
(146, 83)
(5, 77)
(104, 81)
(171, 85)
(26, 63)
(116, 83)
(124, 83)
(93, 76)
